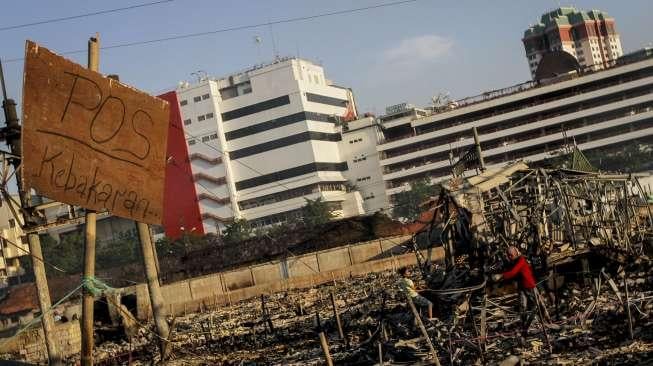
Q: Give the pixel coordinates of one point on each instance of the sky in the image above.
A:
(389, 55)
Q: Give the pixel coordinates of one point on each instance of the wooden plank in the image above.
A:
(91, 141)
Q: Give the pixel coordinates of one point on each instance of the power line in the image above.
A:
(237, 28)
(222, 153)
(27, 252)
(100, 12)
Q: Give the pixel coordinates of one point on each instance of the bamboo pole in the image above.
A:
(418, 319)
(337, 317)
(156, 298)
(325, 349)
(44, 299)
(627, 306)
(89, 242)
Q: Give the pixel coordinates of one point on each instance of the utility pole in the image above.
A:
(156, 298)
(88, 298)
(12, 136)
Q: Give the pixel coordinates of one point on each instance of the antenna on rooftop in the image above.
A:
(275, 53)
(258, 40)
(201, 75)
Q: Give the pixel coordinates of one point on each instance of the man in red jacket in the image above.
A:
(524, 273)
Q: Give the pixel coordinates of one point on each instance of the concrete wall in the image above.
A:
(365, 252)
(29, 345)
(334, 259)
(267, 273)
(291, 273)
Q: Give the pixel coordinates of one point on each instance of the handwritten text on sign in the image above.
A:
(92, 141)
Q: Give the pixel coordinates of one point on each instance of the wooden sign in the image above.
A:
(91, 141)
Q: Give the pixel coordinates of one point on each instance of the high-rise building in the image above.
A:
(589, 36)
(262, 140)
(602, 112)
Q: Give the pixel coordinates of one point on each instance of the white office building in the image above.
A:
(262, 140)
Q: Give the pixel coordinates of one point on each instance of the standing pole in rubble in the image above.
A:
(156, 298)
(89, 242)
(337, 317)
(12, 134)
(44, 299)
(627, 306)
(425, 334)
(479, 152)
(325, 349)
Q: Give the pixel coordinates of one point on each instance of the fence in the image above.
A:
(301, 271)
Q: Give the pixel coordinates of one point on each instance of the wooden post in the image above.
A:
(14, 142)
(266, 315)
(44, 298)
(539, 305)
(586, 270)
(89, 242)
(88, 298)
(483, 323)
(380, 354)
(318, 323)
(337, 317)
(425, 334)
(555, 291)
(156, 298)
(627, 306)
(94, 53)
(325, 349)
(384, 331)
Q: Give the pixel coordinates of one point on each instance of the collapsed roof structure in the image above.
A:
(551, 215)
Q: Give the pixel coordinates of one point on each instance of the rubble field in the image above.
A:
(585, 322)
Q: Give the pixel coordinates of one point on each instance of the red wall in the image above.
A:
(180, 205)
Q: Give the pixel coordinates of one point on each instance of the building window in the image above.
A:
(285, 141)
(183, 102)
(187, 122)
(255, 108)
(323, 99)
(191, 142)
(276, 123)
(201, 118)
(214, 136)
(205, 96)
(247, 90)
(209, 115)
(290, 173)
(197, 99)
(205, 138)
(12, 223)
(363, 179)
